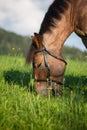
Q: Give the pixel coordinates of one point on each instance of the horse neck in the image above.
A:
(54, 39)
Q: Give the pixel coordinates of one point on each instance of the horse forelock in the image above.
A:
(55, 10)
(30, 54)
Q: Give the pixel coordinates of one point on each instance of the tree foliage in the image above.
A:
(11, 43)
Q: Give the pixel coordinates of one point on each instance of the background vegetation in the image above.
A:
(13, 44)
(22, 109)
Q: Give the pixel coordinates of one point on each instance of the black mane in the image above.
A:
(54, 12)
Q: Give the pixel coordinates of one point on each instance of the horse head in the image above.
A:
(48, 68)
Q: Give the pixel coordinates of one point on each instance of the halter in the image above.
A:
(48, 79)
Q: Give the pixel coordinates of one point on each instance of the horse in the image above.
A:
(61, 19)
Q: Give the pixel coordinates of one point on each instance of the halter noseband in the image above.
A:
(48, 79)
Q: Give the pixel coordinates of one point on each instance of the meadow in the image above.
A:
(22, 109)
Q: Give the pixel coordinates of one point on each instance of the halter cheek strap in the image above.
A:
(48, 79)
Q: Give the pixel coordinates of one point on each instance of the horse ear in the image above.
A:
(37, 39)
(36, 34)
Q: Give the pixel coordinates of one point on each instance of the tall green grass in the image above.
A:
(22, 109)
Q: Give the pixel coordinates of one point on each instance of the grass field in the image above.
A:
(22, 109)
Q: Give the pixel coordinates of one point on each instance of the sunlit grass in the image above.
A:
(22, 109)
(77, 67)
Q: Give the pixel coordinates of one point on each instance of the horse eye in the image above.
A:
(37, 65)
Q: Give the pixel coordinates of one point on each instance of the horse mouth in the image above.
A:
(45, 90)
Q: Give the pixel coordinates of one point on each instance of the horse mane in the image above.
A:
(54, 12)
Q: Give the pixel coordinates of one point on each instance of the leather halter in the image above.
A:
(48, 79)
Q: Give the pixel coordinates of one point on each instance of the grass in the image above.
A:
(22, 109)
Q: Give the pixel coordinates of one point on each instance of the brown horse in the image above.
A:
(62, 18)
